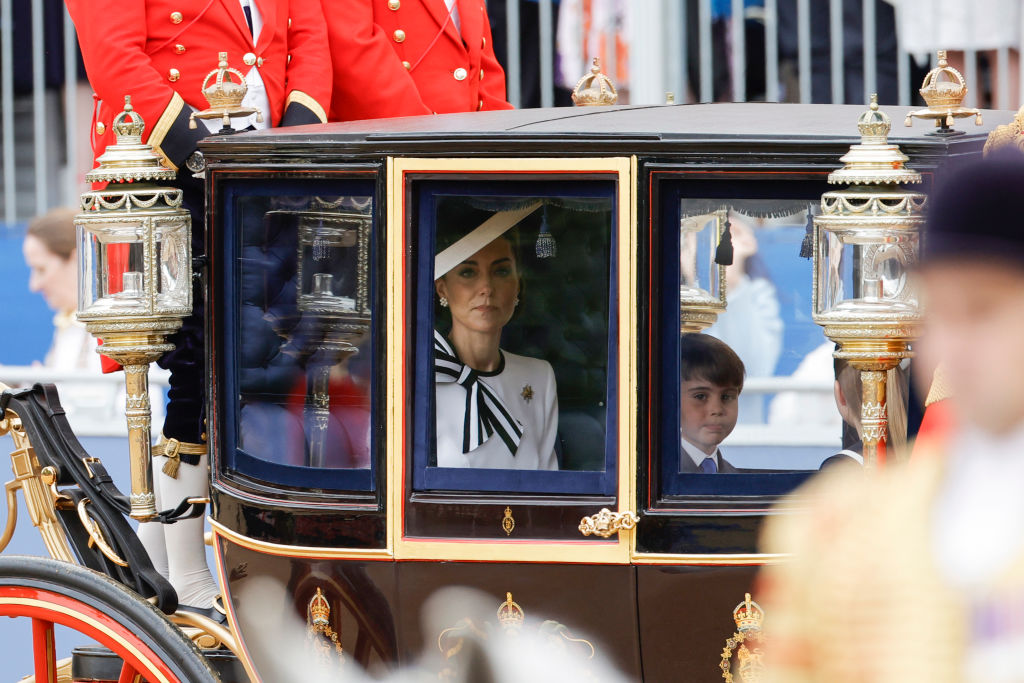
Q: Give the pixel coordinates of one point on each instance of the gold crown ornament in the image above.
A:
(510, 614)
(224, 95)
(319, 610)
(944, 90)
(128, 160)
(594, 89)
(875, 160)
(748, 615)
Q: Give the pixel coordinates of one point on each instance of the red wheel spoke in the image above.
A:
(44, 651)
(128, 674)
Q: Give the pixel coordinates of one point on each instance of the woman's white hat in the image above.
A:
(488, 231)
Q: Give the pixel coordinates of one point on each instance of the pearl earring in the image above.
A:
(444, 302)
(516, 302)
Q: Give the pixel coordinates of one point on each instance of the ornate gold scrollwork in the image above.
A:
(747, 644)
(96, 536)
(605, 523)
(38, 485)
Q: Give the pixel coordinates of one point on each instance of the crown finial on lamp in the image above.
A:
(129, 159)
(595, 88)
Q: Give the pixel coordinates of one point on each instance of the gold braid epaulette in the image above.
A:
(172, 449)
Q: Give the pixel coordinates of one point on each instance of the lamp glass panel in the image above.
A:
(114, 271)
(173, 266)
(865, 272)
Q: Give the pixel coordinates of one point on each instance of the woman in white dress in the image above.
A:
(494, 409)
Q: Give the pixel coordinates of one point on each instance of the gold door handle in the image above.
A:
(605, 523)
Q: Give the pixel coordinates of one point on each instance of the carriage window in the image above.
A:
(303, 384)
(753, 393)
(514, 336)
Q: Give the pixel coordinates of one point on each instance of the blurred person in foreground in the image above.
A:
(916, 573)
(51, 255)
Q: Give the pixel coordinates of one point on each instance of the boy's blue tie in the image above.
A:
(708, 465)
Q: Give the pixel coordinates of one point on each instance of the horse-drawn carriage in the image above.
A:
(324, 420)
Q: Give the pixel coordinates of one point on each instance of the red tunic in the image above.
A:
(159, 52)
(405, 57)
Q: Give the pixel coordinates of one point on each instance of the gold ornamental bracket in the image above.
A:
(594, 89)
(607, 523)
(944, 89)
(224, 96)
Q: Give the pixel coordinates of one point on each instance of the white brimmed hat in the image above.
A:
(488, 231)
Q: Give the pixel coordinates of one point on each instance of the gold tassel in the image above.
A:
(171, 449)
(171, 466)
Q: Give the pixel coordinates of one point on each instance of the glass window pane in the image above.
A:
(304, 333)
(518, 294)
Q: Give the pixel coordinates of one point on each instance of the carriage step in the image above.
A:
(100, 665)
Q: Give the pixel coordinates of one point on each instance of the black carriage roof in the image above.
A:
(636, 129)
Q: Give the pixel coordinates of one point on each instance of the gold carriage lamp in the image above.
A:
(865, 240)
(701, 270)
(944, 90)
(135, 276)
(224, 96)
(594, 89)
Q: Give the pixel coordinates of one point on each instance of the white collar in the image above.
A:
(697, 455)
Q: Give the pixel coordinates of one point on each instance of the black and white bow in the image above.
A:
(486, 415)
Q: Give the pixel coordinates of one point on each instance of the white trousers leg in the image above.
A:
(152, 533)
(186, 550)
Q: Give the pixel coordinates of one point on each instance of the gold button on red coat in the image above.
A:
(176, 17)
(480, 105)
(460, 74)
(100, 128)
(179, 48)
(483, 43)
(249, 58)
(259, 61)
(481, 74)
(173, 75)
(399, 36)
(394, 4)
(407, 65)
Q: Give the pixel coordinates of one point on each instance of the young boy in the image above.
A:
(711, 377)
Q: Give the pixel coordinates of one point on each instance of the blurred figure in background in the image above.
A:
(984, 26)
(916, 573)
(51, 254)
(751, 324)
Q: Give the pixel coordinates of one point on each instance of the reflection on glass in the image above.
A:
(529, 275)
(787, 418)
(305, 330)
(861, 276)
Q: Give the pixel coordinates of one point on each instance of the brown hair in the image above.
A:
(55, 229)
(704, 357)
